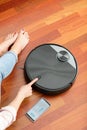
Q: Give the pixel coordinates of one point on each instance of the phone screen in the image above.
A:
(38, 109)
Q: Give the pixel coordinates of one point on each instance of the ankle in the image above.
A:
(16, 49)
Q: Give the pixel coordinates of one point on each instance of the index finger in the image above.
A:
(33, 81)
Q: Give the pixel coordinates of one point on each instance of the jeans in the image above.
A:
(7, 63)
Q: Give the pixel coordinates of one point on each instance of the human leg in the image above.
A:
(7, 63)
(21, 42)
(9, 59)
(9, 40)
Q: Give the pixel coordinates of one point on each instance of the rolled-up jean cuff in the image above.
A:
(16, 56)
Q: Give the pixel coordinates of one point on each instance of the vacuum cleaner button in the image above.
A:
(63, 56)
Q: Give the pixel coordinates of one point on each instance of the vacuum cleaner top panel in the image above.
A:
(54, 64)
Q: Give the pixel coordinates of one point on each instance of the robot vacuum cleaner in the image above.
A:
(55, 66)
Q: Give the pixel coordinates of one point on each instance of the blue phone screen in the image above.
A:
(38, 109)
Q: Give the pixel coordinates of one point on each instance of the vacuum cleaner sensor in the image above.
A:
(55, 66)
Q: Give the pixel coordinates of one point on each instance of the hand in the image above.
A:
(26, 90)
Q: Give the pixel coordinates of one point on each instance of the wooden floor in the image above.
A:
(62, 22)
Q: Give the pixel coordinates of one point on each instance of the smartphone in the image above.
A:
(38, 109)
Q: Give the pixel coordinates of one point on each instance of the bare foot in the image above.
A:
(9, 40)
(21, 42)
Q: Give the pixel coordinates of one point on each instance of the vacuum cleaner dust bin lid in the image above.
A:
(55, 66)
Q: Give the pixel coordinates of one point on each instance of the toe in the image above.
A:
(22, 31)
(15, 35)
(26, 35)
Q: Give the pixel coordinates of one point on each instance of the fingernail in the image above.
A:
(39, 77)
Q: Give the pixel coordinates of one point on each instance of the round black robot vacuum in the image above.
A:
(55, 66)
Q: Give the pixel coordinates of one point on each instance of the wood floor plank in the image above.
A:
(49, 21)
